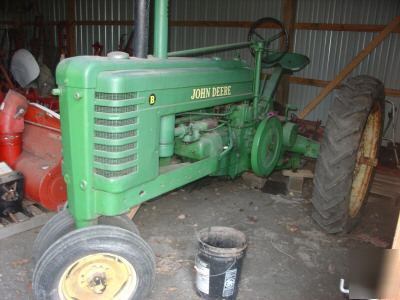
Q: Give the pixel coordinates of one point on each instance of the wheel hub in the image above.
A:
(98, 276)
(98, 283)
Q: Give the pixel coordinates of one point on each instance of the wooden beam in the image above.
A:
(350, 67)
(396, 239)
(227, 24)
(297, 26)
(392, 92)
(324, 83)
(71, 41)
(133, 212)
(289, 8)
(31, 223)
(343, 27)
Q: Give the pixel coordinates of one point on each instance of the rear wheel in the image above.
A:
(349, 150)
(63, 223)
(97, 262)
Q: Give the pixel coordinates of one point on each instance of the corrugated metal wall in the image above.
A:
(329, 51)
(217, 10)
(102, 10)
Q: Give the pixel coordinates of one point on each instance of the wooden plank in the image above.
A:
(295, 186)
(386, 183)
(253, 181)
(395, 176)
(392, 183)
(393, 189)
(324, 83)
(15, 228)
(350, 67)
(289, 8)
(381, 191)
(133, 212)
(304, 173)
(396, 239)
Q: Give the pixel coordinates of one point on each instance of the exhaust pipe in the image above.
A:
(141, 29)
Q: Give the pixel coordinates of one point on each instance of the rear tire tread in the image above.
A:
(335, 166)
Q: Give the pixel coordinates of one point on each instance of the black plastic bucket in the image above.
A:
(219, 262)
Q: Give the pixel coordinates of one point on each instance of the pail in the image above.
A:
(219, 262)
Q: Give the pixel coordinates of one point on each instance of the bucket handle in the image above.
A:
(215, 275)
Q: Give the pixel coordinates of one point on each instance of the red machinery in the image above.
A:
(39, 158)
(12, 113)
(49, 101)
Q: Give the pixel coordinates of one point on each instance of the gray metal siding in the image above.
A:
(217, 10)
(107, 35)
(329, 51)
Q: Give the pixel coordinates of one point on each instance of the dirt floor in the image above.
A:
(288, 257)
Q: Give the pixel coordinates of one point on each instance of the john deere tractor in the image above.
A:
(134, 128)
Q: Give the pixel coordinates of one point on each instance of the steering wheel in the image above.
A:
(270, 56)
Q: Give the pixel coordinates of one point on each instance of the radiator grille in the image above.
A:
(115, 123)
(115, 96)
(112, 148)
(115, 110)
(112, 174)
(115, 135)
(113, 161)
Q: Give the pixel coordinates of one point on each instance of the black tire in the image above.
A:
(107, 240)
(333, 178)
(63, 223)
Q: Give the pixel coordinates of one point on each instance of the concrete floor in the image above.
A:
(288, 257)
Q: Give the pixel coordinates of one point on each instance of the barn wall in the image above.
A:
(329, 51)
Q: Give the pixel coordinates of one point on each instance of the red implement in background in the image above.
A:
(12, 111)
(40, 160)
(47, 101)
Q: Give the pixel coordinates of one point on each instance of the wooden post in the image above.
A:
(71, 41)
(390, 280)
(396, 239)
(289, 19)
(350, 67)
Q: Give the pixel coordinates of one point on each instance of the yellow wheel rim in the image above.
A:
(366, 160)
(98, 276)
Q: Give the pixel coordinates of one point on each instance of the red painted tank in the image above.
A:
(12, 111)
(40, 160)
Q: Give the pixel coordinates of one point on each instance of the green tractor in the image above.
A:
(134, 128)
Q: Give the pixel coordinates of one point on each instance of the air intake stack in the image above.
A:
(160, 28)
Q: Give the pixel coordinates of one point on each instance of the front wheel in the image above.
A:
(349, 150)
(63, 222)
(98, 262)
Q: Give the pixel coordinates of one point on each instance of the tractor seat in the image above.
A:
(293, 62)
